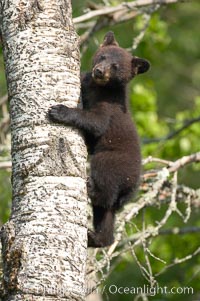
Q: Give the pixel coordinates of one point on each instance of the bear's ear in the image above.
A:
(109, 40)
(139, 65)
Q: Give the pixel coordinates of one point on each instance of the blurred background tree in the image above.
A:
(166, 107)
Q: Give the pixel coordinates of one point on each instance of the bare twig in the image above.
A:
(151, 159)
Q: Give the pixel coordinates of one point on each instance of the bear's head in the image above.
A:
(113, 64)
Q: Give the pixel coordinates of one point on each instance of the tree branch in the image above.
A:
(171, 166)
(174, 231)
(183, 161)
(124, 7)
(177, 231)
(3, 99)
(5, 165)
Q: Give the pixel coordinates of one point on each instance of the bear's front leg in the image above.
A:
(95, 121)
(62, 114)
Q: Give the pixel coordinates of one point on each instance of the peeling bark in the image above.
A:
(44, 243)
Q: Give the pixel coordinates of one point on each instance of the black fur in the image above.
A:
(110, 134)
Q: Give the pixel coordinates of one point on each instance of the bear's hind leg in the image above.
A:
(103, 219)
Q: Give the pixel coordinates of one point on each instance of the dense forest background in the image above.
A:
(165, 103)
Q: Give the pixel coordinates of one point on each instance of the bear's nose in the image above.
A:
(98, 73)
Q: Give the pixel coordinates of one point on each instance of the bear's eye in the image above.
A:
(102, 57)
(115, 66)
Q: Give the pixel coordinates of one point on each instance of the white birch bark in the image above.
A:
(44, 243)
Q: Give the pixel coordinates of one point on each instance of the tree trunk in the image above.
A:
(44, 243)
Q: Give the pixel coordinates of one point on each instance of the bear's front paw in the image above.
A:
(59, 113)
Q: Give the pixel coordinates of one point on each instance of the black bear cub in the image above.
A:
(110, 134)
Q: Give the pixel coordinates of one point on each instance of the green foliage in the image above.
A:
(157, 35)
(5, 196)
(2, 75)
(145, 111)
(144, 107)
